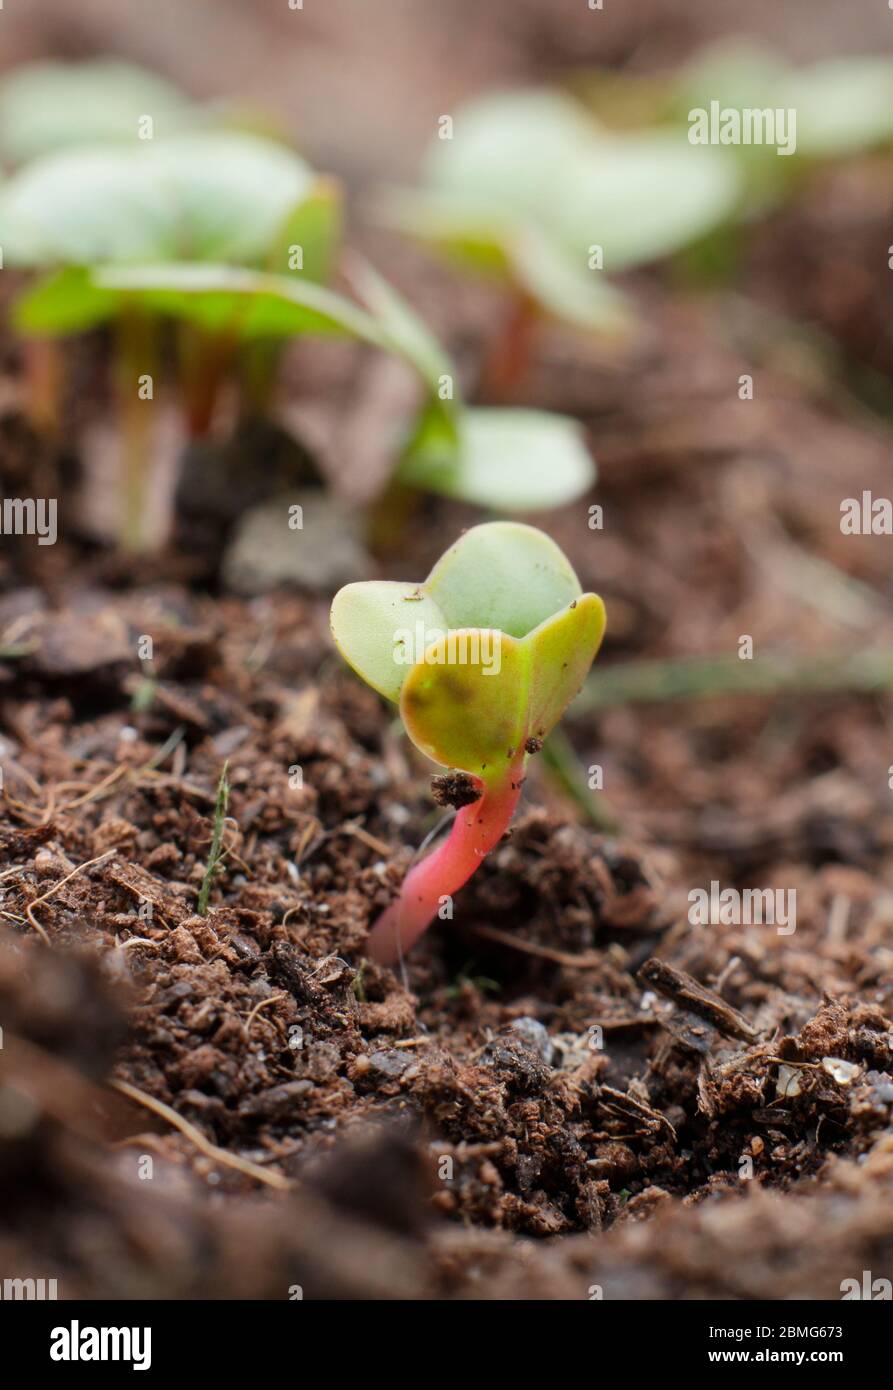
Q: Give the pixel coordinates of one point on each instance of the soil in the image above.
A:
(569, 1086)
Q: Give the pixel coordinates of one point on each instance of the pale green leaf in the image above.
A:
(314, 227)
(531, 185)
(46, 107)
(565, 286)
(84, 207)
(506, 459)
(502, 574)
(509, 149)
(232, 192)
(642, 197)
(472, 230)
(67, 302)
(247, 303)
(842, 106)
(734, 72)
(218, 196)
(382, 627)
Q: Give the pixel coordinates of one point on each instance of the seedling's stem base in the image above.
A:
(476, 831)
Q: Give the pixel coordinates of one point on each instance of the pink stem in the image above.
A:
(477, 830)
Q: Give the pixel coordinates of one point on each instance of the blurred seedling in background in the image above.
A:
(555, 196)
(170, 218)
(503, 588)
(505, 459)
(205, 252)
(842, 107)
(46, 107)
(531, 189)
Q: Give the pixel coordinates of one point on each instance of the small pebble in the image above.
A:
(844, 1073)
(390, 1062)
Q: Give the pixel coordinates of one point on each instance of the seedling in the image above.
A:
(227, 240)
(530, 188)
(778, 124)
(503, 459)
(508, 460)
(482, 660)
(841, 106)
(182, 206)
(755, 104)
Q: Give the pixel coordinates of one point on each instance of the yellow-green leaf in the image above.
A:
(478, 695)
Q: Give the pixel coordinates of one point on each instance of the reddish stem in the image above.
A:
(43, 378)
(477, 830)
(508, 361)
(205, 359)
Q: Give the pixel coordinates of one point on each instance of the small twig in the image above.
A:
(195, 1136)
(620, 1103)
(158, 757)
(685, 991)
(106, 782)
(358, 833)
(587, 961)
(725, 974)
(264, 1004)
(838, 918)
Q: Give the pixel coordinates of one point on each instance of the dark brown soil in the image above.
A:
(476, 1083)
(569, 1087)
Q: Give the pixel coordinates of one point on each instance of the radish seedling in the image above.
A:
(531, 188)
(776, 122)
(508, 460)
(180, 205)
(482, 659)
(839, 106)
(201, 232)
(502, 459)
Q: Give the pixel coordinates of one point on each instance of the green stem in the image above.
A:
(560, 756)
(214, 853)
(257, 365)
(695, 677)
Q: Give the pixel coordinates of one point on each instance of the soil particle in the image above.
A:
(455, 789)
